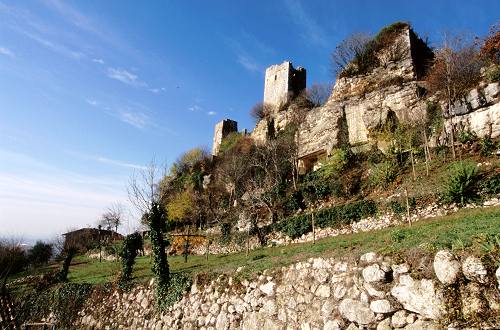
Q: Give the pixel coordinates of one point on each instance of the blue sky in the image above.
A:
(92, 90)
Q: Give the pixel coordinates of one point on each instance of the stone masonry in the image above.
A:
(223, 129)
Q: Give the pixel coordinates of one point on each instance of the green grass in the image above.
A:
(468, 227)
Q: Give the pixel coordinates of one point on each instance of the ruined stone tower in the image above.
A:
(223, 129)
(282, 82)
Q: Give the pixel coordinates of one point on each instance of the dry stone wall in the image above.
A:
(372, 292)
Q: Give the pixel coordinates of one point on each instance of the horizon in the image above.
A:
(93, 91)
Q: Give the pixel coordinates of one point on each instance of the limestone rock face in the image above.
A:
(419, 296)
(356, 311)
(446, 267)
(322, 129)
(474, 270)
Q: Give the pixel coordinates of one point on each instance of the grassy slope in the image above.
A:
(464, 231)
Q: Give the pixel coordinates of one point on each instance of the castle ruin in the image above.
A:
(283, 82)
(361, 105)
(222, 130)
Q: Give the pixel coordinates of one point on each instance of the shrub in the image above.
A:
(131, 246)
(494, 74)
(396, 207)
(461, 185)
(177, 286)
(383, 174)
(491, 185)
(40, 253)
(465, 137)
(487, 146)
(338, 160)
(295, 201)
(297, 226)
(225, 229)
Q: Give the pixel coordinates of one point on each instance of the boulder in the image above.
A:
(381, 306)
(419, 296)
(356, 311)
(446, 267)
(268, 288)
(332, 325)
(369, 257)
(385, 325)
(398, 320)
(474, 270)
(422, 325)
(491, 92)
(373, 273)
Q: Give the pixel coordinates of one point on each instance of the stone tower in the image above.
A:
(282, 82)
(223, 129)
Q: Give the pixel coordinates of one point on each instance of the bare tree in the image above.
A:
(270, 168)
(353, 48)
(145, 195)
(318, 94)
(260, 111)
(456, 70)
(113, 216)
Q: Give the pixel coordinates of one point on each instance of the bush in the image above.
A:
(487, 146)
(383, 174)
(494, 74)
(295, 202)
(178, 285)
(131, 246)
(40, 253)
(225, 229)
(461, 186)
(491, 186)
(465, 137)
(297, 226)
(336, 163)
(396, 207)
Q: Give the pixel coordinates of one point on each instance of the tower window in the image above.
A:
(275, 76)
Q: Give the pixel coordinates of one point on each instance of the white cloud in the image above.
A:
(6, 52)
(38, 199)
(125, 77)
(312, 31)
(248, 63)
(195, 108)
(98, 60)
(136, 119)
(55, 47)
(93, 103)
(211, 113)
(119, 163)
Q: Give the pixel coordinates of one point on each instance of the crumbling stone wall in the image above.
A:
(282, 82)
(223, 129)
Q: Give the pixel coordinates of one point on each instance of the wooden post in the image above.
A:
(208, 246)
(248, 240)
(412, 164)
(313, 228)
(186, 246)
(407, 206)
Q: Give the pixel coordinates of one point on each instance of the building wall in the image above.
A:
(282, 81)
(223, 129)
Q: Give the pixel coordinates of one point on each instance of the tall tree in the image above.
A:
(145, 195)
(456, 70)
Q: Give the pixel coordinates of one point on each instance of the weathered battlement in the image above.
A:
(223, 129)
(283, 82)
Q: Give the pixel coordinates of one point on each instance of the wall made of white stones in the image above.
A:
(371, 292)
